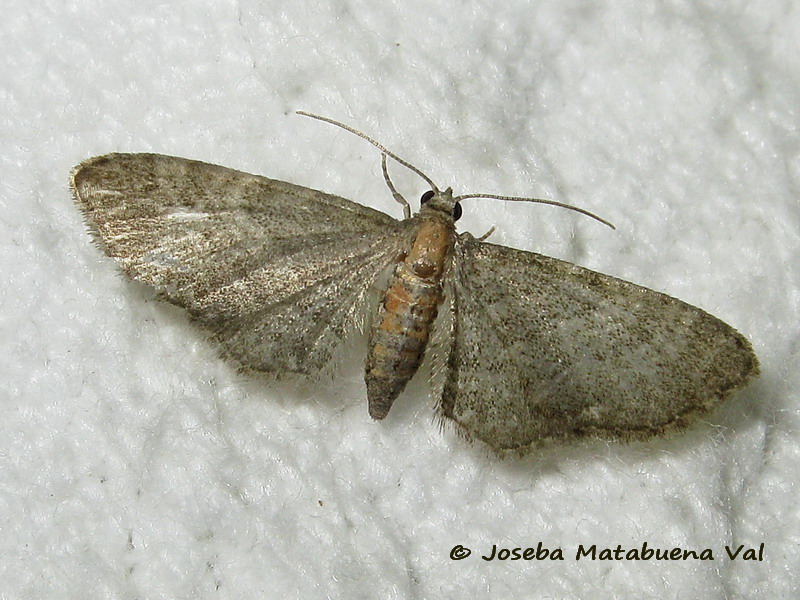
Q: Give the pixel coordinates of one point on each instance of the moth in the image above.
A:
(532, 348)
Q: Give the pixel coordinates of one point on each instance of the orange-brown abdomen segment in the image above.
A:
(399, 336)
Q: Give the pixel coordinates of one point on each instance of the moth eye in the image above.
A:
(426, 196)
(457, 211)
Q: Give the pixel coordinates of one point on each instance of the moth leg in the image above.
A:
(395, 194)
(487, 234)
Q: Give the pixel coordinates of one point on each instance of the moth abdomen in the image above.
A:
(400, 335)
(397, 343)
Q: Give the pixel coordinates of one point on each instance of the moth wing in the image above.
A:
(277, 272)
(543, 349)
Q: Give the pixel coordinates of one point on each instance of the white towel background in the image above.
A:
(134, 463)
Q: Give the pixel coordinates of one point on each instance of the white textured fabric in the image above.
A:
(136, 464)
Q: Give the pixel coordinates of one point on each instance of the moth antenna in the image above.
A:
(428, 180)
(487, 234)
(379, 146)
(539, 201)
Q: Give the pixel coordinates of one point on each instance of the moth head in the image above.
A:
(442, 201)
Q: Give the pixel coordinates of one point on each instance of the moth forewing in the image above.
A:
(275, 271)
(542, 349)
